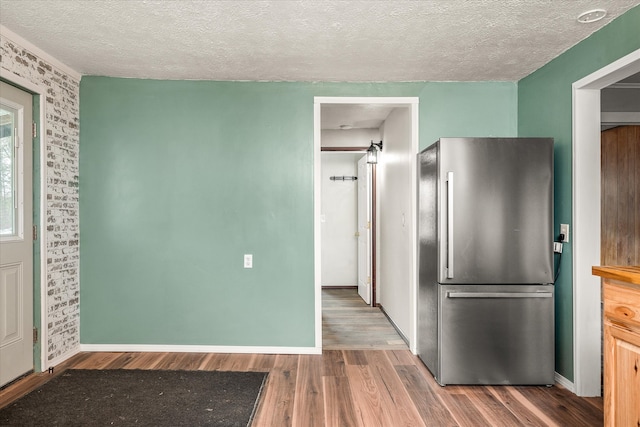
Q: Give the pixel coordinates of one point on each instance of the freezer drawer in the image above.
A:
(496, 334)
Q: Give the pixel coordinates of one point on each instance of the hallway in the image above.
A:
(349, 324)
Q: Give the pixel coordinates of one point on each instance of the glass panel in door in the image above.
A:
(8, 199)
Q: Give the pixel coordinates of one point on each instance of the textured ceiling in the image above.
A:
(357, 116)
(632, 79)
(307, 40)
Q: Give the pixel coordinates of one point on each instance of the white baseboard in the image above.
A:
(160, 348)
(565, 383)
(398, 330)
(58, 360)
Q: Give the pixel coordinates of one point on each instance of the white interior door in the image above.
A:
(16, 244)
(339, 219)
(364, 230)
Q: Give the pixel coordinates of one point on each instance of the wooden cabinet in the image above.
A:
(621, 297)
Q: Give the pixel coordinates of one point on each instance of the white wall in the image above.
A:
(620, 106)
(339, 220)
(349, 138)
(395, 218)
(620, 99)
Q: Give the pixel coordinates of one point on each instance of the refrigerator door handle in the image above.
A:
(449, 225)
(453, 294)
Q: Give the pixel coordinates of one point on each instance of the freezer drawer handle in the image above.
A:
(499, 294)
(449, 225)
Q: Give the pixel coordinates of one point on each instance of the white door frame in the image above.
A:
(365, 234)
(586, 220)
(317, 104)
(39, 91)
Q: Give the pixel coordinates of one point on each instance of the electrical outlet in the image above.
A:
(248, 261)
(564, 229)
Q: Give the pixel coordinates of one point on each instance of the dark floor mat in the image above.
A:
(139, 398)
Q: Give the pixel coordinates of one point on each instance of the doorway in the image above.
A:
(383, 261)
(16, 245)
(38, 335)
(620, 195)
(587, 317)
(341, 215)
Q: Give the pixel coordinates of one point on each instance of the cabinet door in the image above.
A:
(622, 376)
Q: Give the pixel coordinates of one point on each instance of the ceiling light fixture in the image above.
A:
(346, 127)
(591, 16)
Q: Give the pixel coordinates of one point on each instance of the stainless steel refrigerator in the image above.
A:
(486, 294)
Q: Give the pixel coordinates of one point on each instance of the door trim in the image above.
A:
(345, 149)
(373, 219)
(39, 277)
(586, 220)
(374, 236)
(399, 101)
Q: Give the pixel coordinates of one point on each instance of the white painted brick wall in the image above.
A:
(61, 211)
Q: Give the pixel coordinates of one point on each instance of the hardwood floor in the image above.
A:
(350, 324)
(356, 388)
(365, 377)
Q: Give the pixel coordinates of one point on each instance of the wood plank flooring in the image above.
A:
(356, 388)
(362, 379)
(350, 324)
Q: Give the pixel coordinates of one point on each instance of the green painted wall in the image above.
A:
(544, 109)
(179, 179)
(467, 109)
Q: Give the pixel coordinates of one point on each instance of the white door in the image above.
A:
(16, 239)
(364, 230)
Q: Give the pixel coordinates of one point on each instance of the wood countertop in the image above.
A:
(623, 273)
